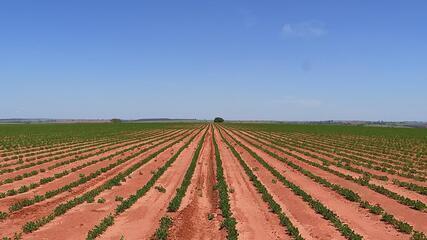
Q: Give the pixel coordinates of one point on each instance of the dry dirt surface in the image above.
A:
(225, 181)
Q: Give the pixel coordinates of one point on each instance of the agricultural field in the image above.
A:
(212, 181)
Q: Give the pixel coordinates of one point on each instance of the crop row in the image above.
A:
(84, 179)
(127, 203)
(26, 188)
(346, 193)
(115, 181)
(389, 147)
(345, 164)
(65, 155)
(379, 163)
(180, 192)
(66, 162)
(31, 151)
(229, 222)
(70, 152)
(22, 165)
(48, 152)
(411, 186)
(64, 149)
(415, 204)
(357, 160)
(341, 162)
(37, 151)
(317, 206)
(21, 136)
(162, 231)
(266, 196)
(336, 145)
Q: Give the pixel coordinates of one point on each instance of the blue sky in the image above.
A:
(282, 60)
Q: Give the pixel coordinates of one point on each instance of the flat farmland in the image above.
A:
(212, 181)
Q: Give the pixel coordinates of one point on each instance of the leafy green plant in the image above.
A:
(266, 196)
(316, 205)
(16, 236)
(160, 189)
(3, 215)
(162, 232)
(176, 201)
(115, 181)
(229, 222)
(127, 203)
(99, 229)
(375, 209)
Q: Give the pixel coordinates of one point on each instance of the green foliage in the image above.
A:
(162, 231)
(350, 195)
(34, 135)
(3, 215)
(375, 209)
(176, 201)
(115, 181)
(338, 130)
(411, 186)
(218, 120)
(99, 229)
(229, 222)
(377, 144)
(160, 189)
(16, 236)
(83, 178)
(127, 203)
(419, 236)
(316, 205)
(266, 196)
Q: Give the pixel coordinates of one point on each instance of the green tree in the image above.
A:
(218, 120)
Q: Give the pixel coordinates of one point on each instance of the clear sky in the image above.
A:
(282, 60)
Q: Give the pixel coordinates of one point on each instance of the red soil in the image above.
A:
(57, 183)
(97, 210)
(18, 219)
(254, 218)
(191, 221)
(63, 156)
(373, 171)
(386, 184)
(401, 212)
(310, 224)
(142, 219)
(48, 173)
